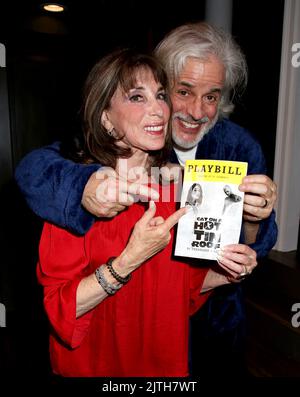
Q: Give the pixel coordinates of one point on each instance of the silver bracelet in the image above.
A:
(110, 289)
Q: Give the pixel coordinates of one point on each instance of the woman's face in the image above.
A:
(141, 115)
(196, 192)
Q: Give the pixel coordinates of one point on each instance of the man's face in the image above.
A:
(195, 97)
(227, 190)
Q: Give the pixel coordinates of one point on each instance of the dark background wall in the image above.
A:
(257, 27)
(48, 58)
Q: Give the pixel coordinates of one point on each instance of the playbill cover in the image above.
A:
(210, 190)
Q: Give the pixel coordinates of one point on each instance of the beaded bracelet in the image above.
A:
(117, 276)
(110, 289)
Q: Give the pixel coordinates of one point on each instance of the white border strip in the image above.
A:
(2, 56)
(287, 153)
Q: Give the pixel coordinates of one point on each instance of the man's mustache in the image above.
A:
(189, 119)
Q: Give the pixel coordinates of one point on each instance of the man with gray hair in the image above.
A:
(206, 71)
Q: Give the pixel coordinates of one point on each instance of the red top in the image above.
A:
(142, 330)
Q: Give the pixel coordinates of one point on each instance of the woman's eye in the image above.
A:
(163, 96)
(136, 98)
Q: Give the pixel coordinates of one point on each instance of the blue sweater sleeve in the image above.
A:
(267, 233)
(53, 187)
(266, 236)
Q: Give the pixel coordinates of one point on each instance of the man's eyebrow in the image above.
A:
(215, 90)
(189, 85)
(186, 84)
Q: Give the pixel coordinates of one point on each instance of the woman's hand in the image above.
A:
(238, 260)
(149, 236)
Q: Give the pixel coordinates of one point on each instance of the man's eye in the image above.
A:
(182, 92)
(136, 98)
(211, 98)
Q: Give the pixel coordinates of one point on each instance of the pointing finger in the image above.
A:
(174, 218)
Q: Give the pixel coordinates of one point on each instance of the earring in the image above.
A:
(111, 132)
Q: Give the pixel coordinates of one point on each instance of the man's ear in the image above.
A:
(105, 121)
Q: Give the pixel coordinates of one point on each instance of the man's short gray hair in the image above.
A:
(201, 40)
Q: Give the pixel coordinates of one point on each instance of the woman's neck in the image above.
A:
(134, 167)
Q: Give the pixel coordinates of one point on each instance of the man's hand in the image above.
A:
(106, 194)
(238, 260)
(260, 196)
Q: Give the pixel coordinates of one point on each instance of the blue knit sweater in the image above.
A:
(53, 186)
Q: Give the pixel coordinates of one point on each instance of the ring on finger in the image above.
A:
(243, 274)
(265, 204)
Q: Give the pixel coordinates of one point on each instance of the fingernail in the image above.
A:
(186, 210)
(151, 204)
(189, 209)
(130, 198)
(154, 195)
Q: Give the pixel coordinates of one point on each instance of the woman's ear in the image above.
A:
(105, 121)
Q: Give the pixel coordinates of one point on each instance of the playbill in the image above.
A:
(210, 191)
